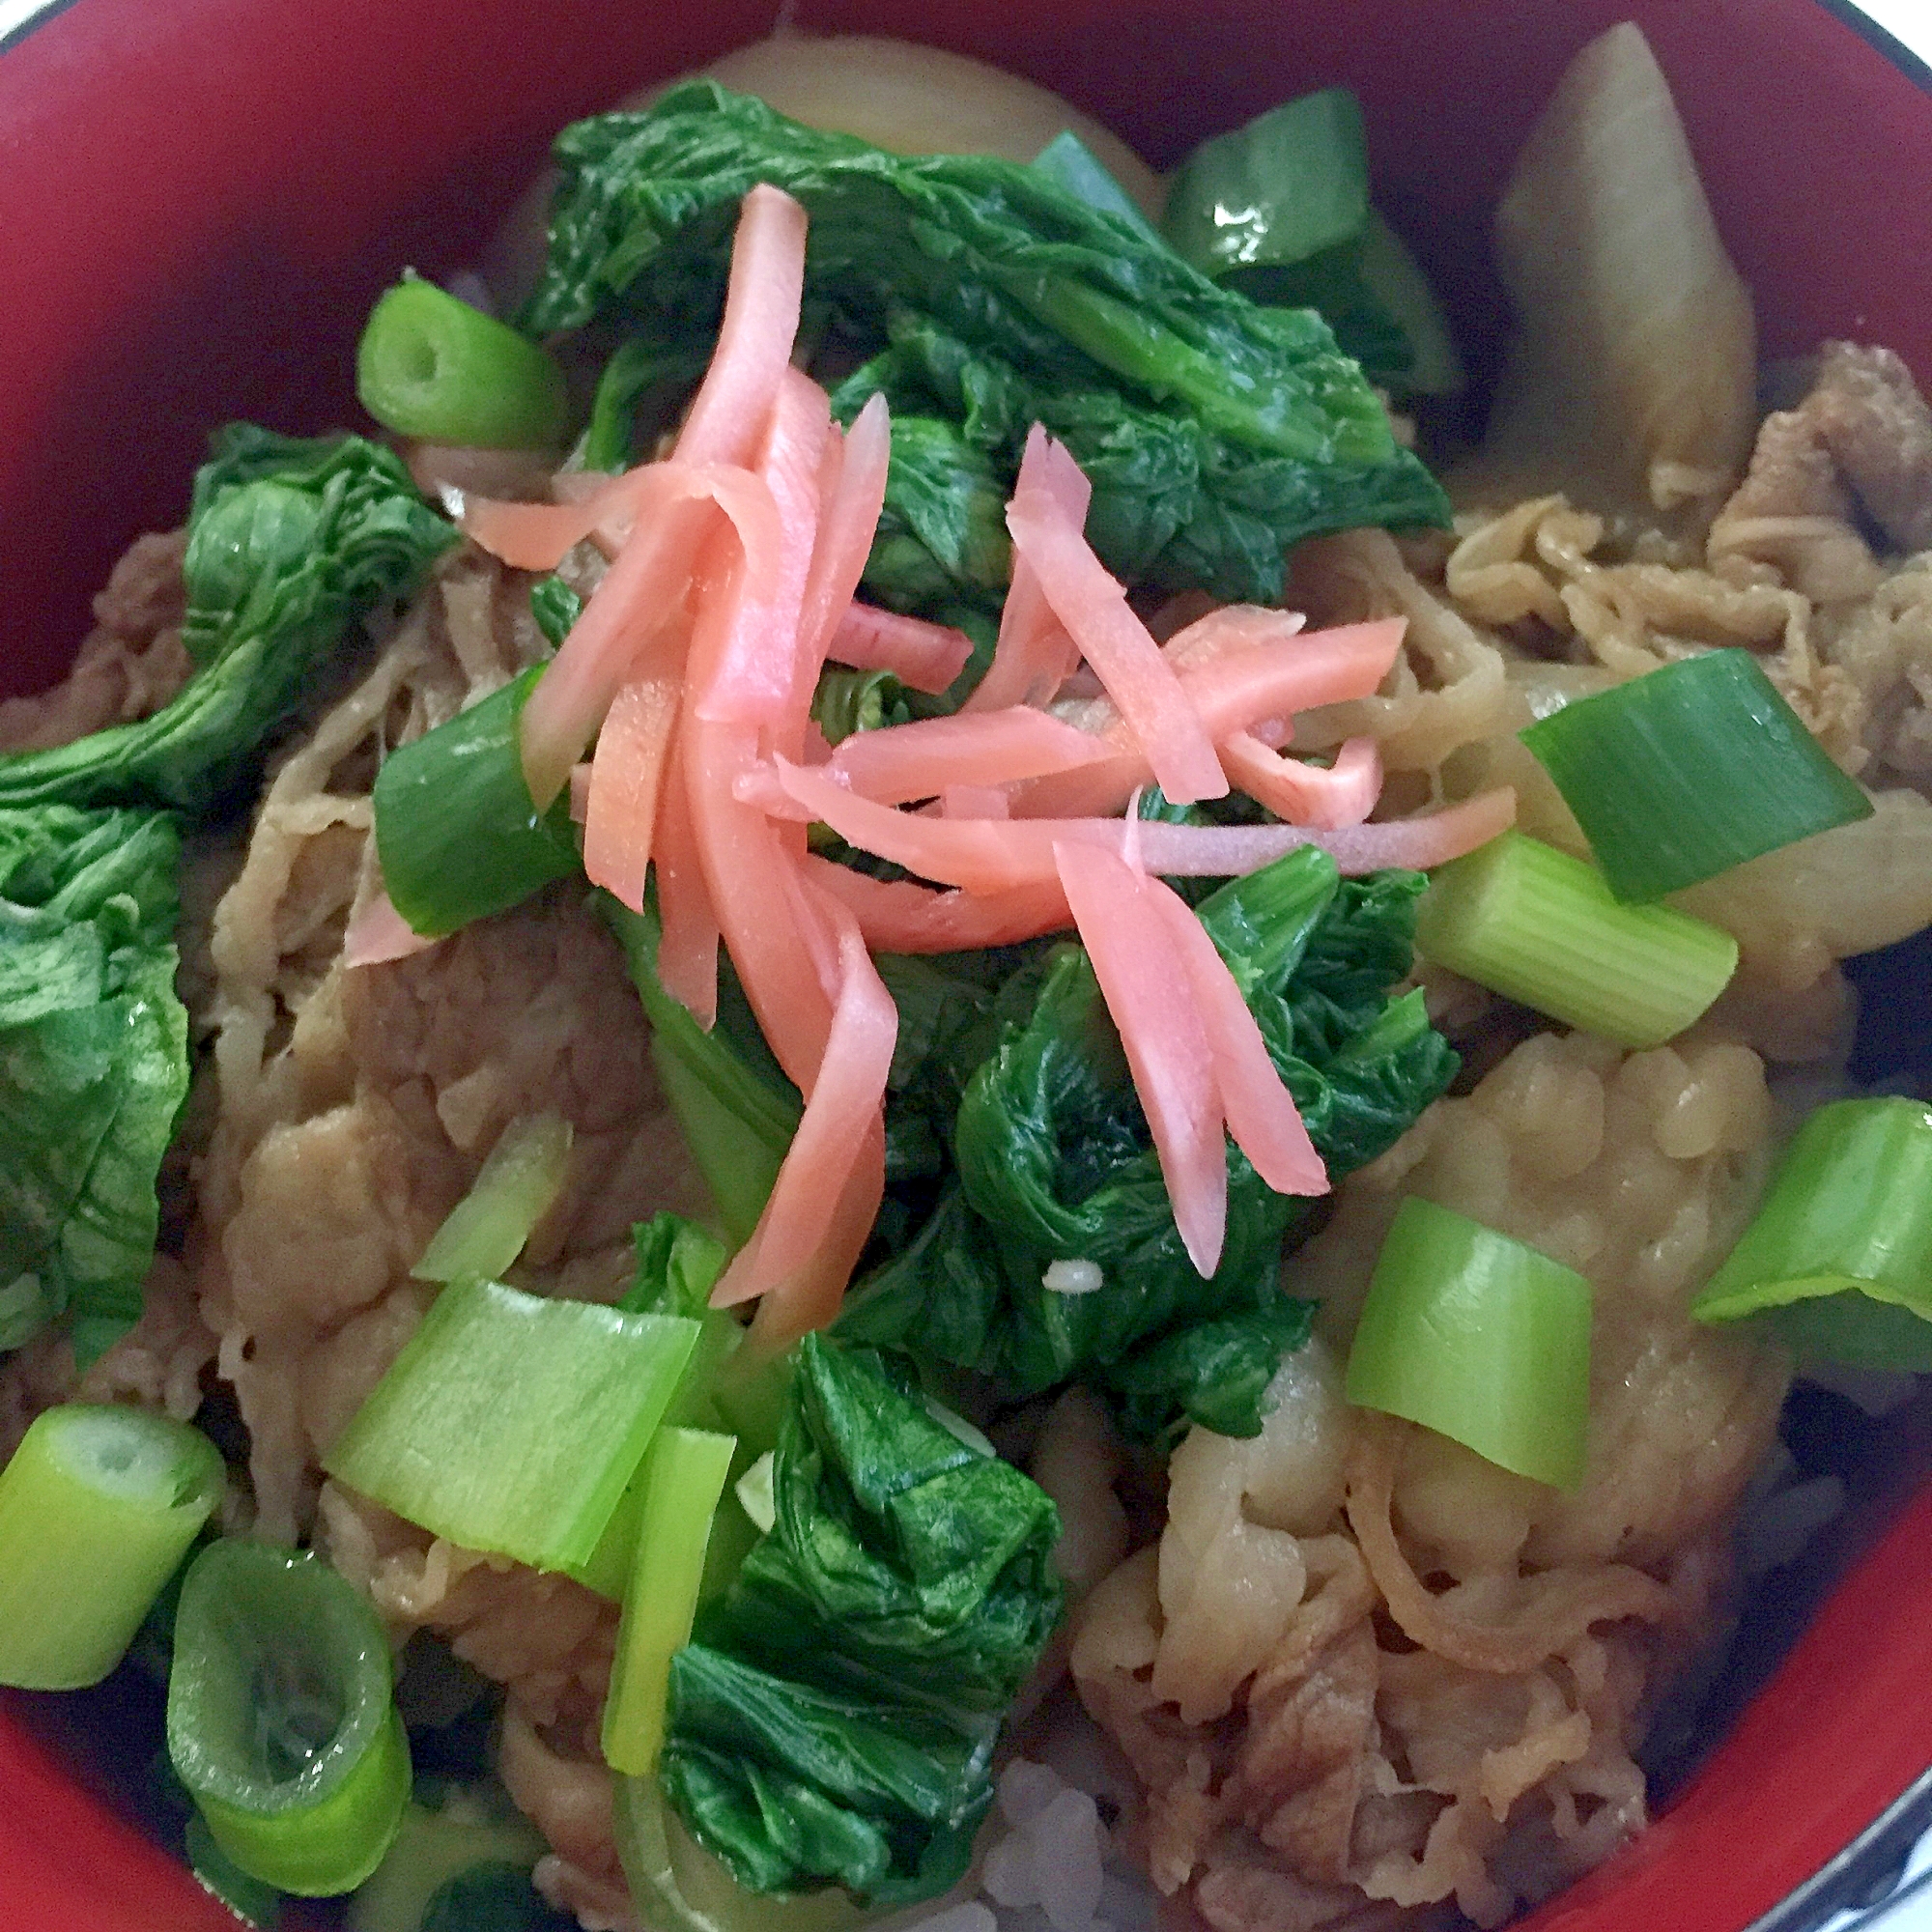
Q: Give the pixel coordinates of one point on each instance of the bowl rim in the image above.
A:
(1862, 1874)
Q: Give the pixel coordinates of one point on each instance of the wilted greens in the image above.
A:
(988, 295)
(290, 543)
(93, 1064)
(834, 1722)
(1054, 1162)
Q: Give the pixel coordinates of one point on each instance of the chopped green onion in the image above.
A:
(678, 1263)
(514, 1189)
(455, 829)
(1689, 770)
(1839, 1261)
(98, 1508)
(1535, 924)
(1069, 163)
(511, 1423)
(429, 365)
(684, 1477)
(1393, 281)
(250, 1900)
(555, 607)
(432, 1848)
(281, 1721)
(1478, 1338)
(1287, 185)
(755, 1497)
(679, 1887)
(737, 1123)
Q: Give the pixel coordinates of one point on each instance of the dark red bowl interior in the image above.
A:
(198, 200)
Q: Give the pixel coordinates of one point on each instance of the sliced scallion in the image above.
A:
(1478, 1338)
(486, 1231)
(1069, 163)
(250, 1900)
(97, 1507)
(1541, 927)
(429, 365)
(684, 1477)
(430, 1850)
(511, 1423)
(1838, 1260)
(281, 1721)
(456, 833)
(1689, 770)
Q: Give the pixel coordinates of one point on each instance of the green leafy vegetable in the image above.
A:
(482, 1236)
(555, 607)
(492, 1898)
(638, 366)
(1055, 1162)
(738, 1111)
(93, 1064)
(847, 702)
(1222, 431)
(289, 543)
(834, 1723)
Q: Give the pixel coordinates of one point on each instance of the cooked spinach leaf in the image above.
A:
(1224, 431)
(93, 1064)
(834, 1722)
(1055, 1162)
(290, 542)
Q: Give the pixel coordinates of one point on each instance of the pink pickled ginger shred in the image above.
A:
(1034, 655)
(1304, 794)
(761, 303)
(902, 762)
(1167, 1044)
(851, 495)
(378, 934)
(923, 655)
(1261, 1112)
(845, 1102)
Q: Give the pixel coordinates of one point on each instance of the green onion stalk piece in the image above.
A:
(1838, 1261)
(1478, 1338)
(456, 833)
(678, 1263)
(1689, 770)
(514, 1189)
(97, 1507)
(679, 1887)
(684, 1478)
(1069, 163)
(429, 365)
(1541, 927)
(431, 1848)
(737, 1123)
(511, 1423)
(281, 1721)
(250, 1900)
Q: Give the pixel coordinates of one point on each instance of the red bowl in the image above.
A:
(201, 198)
